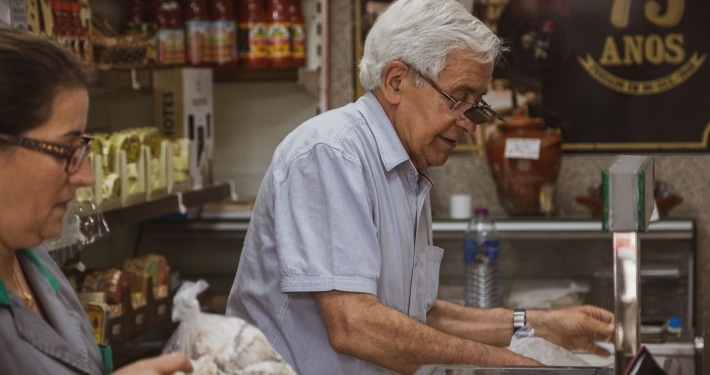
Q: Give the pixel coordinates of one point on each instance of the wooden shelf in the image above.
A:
(248, 75)
(177, 202)
(141, 77)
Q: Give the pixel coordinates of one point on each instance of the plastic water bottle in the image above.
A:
(481, 278)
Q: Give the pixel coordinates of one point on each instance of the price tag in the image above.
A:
(522, 148)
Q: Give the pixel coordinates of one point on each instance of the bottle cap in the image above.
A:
(675, 322)
(481, 211)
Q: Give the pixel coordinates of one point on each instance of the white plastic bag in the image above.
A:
(525, 343)
(217, 344)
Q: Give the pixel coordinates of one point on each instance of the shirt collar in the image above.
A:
(32, 257)
(390, 146)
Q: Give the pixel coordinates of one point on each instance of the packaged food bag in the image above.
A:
(217, 344)
(525, 343)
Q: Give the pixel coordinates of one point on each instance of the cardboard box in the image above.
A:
(40, 20)
(13, 14)
(183, 107)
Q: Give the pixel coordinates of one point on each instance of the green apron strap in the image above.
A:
(30, 254)
(4, 298)
(107, 358)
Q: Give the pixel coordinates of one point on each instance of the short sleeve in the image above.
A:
(326, 237)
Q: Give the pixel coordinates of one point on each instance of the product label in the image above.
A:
(171, 47)
(522, 148)
(223, 41)
(279, 37)
(252, 40)
(197, 41)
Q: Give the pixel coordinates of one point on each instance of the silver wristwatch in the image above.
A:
(519, 319)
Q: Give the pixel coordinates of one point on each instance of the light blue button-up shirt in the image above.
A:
(341, 207)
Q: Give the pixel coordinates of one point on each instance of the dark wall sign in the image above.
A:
(614, 75)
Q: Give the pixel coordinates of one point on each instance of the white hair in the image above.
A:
(422, 33)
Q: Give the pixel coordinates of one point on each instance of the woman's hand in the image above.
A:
(166, 364)
(575, 327)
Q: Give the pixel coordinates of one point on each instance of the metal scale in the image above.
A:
(628, 208)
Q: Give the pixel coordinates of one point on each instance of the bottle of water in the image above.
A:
(481, 279)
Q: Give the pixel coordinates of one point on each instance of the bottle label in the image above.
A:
(197, 41)
(223, 42)
(492, 249)
(279, 40)
(252, 40)
(171, 47)
(481, 251)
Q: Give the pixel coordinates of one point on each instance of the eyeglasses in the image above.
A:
(74, 156)
(480, 113)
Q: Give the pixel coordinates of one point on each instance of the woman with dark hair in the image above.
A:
(43, 110)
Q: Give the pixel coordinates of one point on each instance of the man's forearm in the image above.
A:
(386, 337)
(490, 326)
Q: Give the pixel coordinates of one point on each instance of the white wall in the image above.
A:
(251, 118)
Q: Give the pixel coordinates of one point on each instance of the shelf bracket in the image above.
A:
(181, 206)
(135, 83)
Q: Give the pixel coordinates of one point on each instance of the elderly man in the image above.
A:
(338, 267)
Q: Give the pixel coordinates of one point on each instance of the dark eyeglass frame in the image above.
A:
(479, 113)
(74, 156)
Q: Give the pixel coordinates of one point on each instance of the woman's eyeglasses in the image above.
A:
(73, 155)
(479, 113)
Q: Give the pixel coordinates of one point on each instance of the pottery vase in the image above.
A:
(524, 158)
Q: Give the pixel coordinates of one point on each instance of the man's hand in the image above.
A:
(575, 327)
(166, 364)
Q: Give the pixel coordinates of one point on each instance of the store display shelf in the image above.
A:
(260, 74)
(665, 229)
(147, 345)
(141, 77)
(177, 202)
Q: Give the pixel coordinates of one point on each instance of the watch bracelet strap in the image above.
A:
(519, 319)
